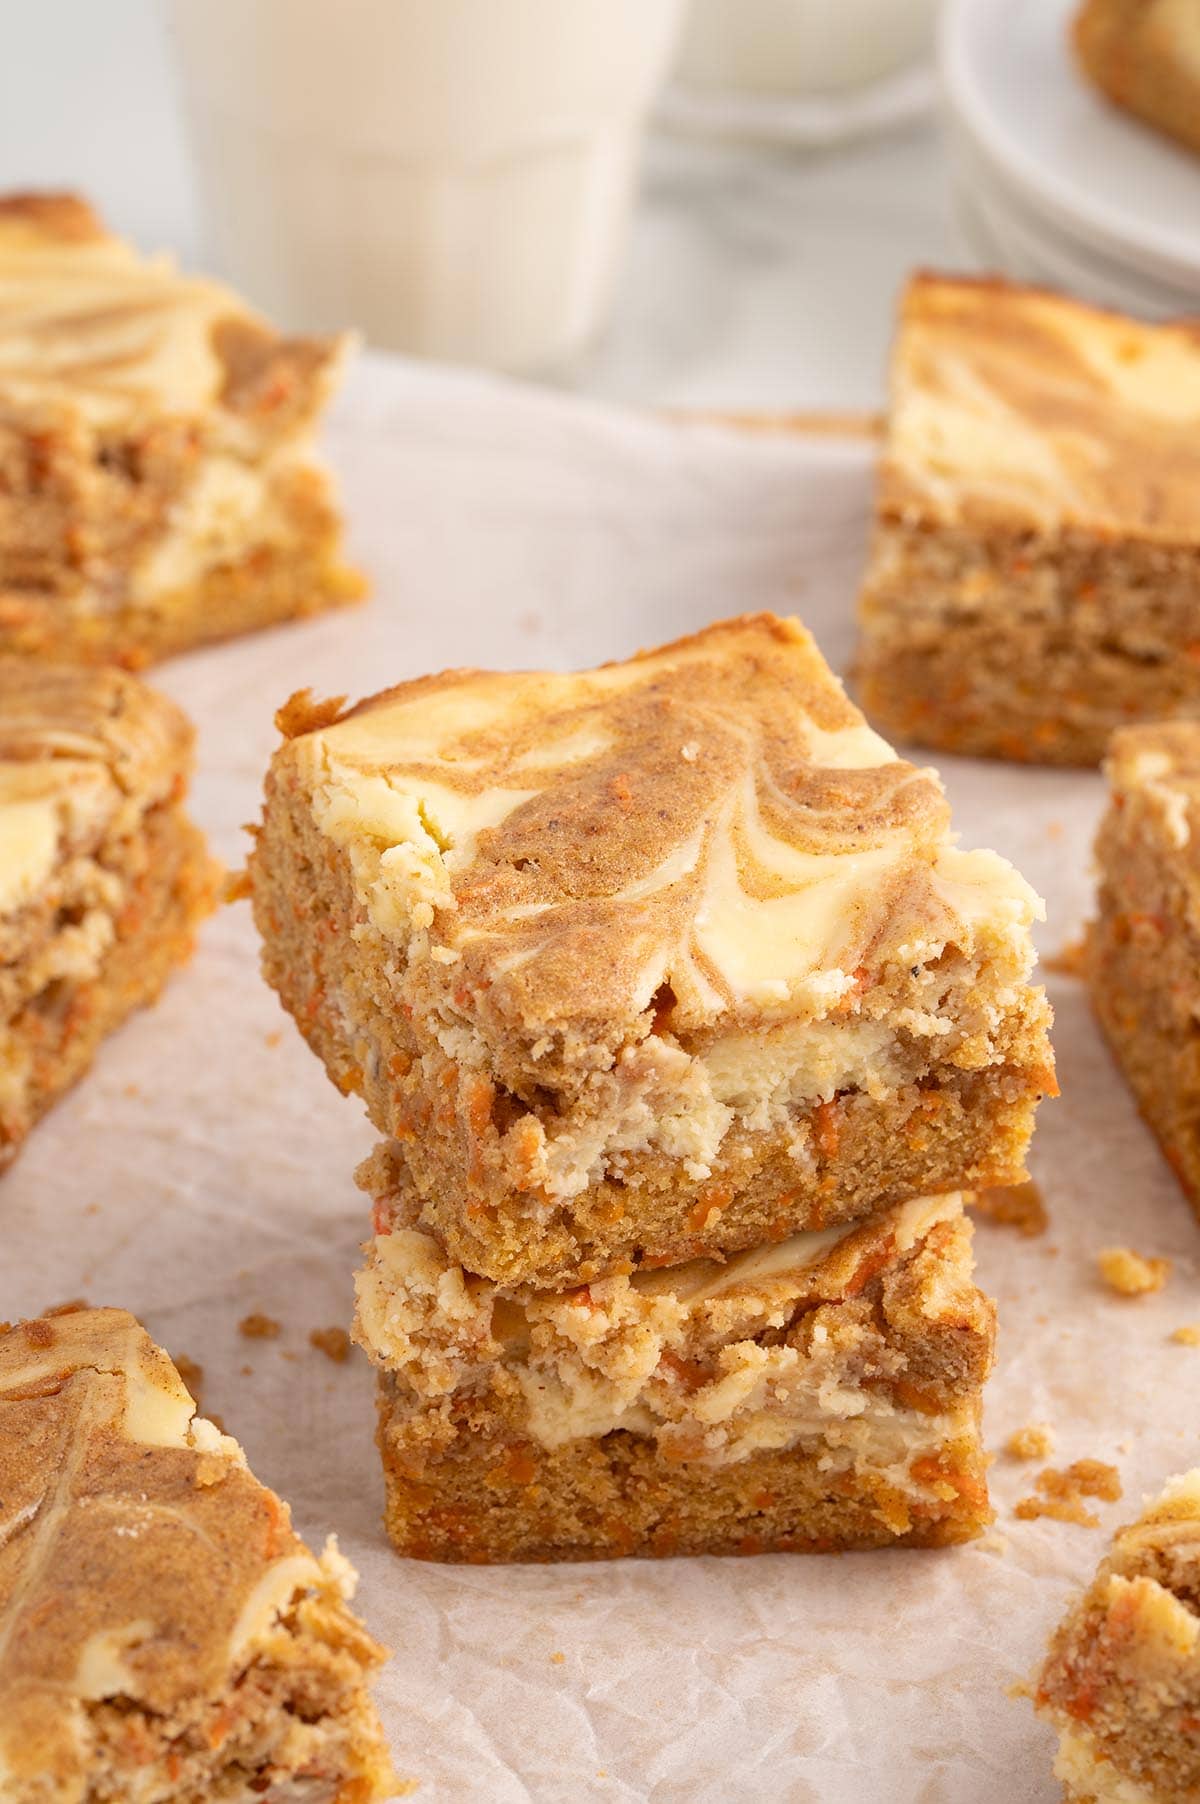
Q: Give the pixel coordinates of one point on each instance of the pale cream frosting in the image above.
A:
(1156, 768)
(90, 324)
(1022, 406)
(609, 1356)
(229, 505)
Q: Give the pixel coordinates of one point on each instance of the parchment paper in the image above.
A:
(203, 1170)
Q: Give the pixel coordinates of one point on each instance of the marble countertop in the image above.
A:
(756, 278)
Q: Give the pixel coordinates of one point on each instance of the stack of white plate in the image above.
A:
(1052, 184)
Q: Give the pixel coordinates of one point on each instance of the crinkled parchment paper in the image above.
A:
(203, 1171)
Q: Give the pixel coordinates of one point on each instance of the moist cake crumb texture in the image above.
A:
(103, 877)
(1061, 1494)
(164, 1633)
(1036, 550)
(1143, 948)
(1035, 1441)
(1131, 1274)
(1121, 1682)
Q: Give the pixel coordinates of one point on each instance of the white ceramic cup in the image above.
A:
(453, 177)
(800, 46)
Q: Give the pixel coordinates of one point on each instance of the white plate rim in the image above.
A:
(1175, 256)
(1053, 254)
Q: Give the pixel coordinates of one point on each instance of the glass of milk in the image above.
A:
(452, 177)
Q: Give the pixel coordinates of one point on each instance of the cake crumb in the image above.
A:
(1129, 1274)
(993, 1542)
(558, 1659)
(258, 1326)
(1020, 1207)
(210, 1468)
(235, 886)
(1068, 961)
(1188, 1335)
(1062, 1493)
(1034, 1441)
(274, 1038)
(334, 1343)
(303, 713)
(192, 1375)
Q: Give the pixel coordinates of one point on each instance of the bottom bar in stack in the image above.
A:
(822, 1393)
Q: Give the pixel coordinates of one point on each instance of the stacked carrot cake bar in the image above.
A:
(684, 1019)
(158, 482)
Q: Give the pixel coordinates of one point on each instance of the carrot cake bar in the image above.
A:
(1036, 554)
(158, 484)
(664, 959)
(820, 1393)
(103, 877)
(1122, 1679)
(1143, 950)
(164, 1632)
(1145, 56)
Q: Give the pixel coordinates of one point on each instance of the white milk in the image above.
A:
(800, 46)
(453, 177)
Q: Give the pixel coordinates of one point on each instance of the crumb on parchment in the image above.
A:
(258, 1326)
(1021, 1206)
(1129, 1274)
(334, 1343)
(1062, 1493)
(1068, 961)
(304, 713)
(1034, 1441)
(1188, 1335)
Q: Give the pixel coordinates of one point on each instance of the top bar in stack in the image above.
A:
(654, 962)
(158, 484)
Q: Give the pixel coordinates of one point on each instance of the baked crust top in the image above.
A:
(82, 752)
(91, 330)
(1017, 407)
(704, 833)
(139, 1558)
